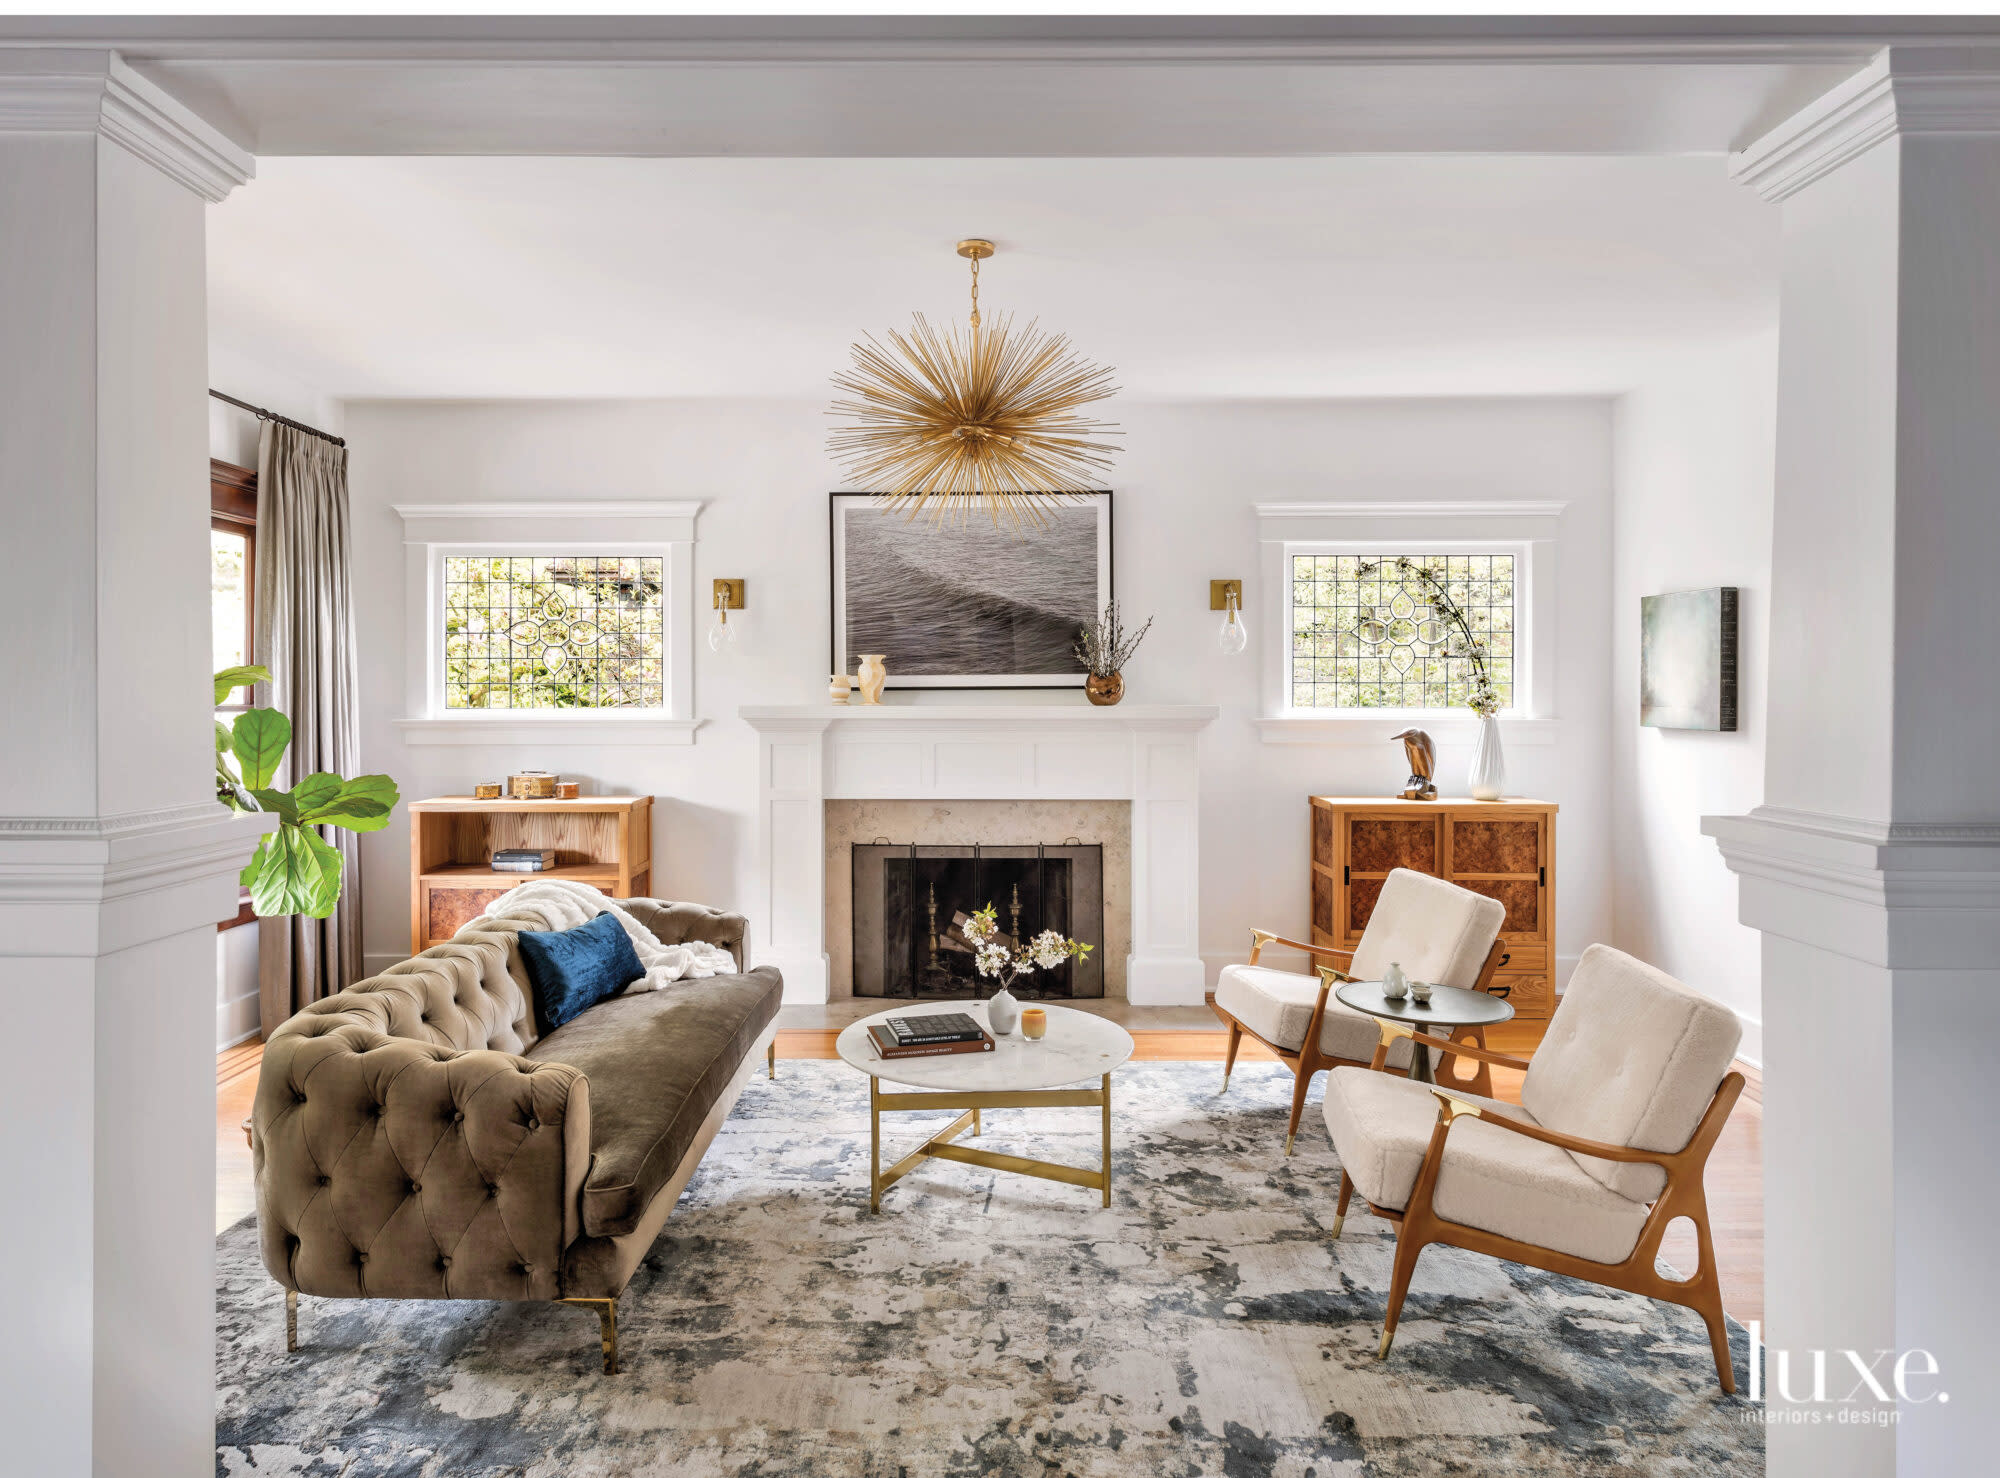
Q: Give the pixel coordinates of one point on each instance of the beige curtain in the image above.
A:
(305, 635)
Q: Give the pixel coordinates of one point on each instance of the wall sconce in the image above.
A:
(728, 597)
(1227, 596)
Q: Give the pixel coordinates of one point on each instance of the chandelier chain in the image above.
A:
(975, 292)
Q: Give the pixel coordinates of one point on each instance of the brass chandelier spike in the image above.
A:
(944, 420)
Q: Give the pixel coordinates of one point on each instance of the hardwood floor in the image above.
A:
(1735, 1170)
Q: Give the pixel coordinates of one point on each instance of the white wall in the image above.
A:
(1695, 451)
(1185, 489)
(232, 437)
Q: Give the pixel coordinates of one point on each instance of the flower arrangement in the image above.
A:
(993, 959)
(1485, 699)
(1103, 647)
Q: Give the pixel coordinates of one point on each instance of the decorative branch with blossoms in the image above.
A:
(994, 959)
(1485, 699)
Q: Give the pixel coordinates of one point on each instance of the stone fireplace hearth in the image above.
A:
(949, 755)
(1013, 825)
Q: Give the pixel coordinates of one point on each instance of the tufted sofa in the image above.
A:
(414, 1137)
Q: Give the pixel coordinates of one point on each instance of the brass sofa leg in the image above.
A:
(771, 1058)
(291, 1321)
(607, 1327)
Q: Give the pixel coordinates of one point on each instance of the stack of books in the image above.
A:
(929, 1036)
(524, 859)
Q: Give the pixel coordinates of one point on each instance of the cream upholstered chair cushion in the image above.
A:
(1278, 1006)
(1437, 931)
(1499, 1182)
(1631, 1057)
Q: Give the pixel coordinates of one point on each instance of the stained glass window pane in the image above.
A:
(553, 632)
(1399, 631)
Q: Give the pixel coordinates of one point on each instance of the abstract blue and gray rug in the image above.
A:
(988, 1324)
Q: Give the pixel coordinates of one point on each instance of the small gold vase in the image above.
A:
(1104, 691)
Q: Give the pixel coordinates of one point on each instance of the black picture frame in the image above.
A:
(975, 539)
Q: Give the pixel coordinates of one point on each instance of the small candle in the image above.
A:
(1034, 1022)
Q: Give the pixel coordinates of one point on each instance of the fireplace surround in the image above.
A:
(1145, 754)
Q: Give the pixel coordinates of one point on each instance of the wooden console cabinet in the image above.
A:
(1504, 849)
(603, 840)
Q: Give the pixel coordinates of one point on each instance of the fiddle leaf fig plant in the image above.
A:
(294, 870)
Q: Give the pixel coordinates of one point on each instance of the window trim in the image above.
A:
(232, 509)
(1528, 530)
(434, 531)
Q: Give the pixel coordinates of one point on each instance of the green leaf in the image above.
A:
(259, 739)
(293, 872)
(224, 741)
(360, 804)
(230, 679)
(279, 803)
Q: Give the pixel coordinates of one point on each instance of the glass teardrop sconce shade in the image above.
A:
(1232, 636)
(721, 636)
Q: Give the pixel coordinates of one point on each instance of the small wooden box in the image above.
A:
(603, 840)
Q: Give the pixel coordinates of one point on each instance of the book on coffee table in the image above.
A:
(888, 1046)
(941, 1026)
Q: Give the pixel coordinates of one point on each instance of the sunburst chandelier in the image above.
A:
(946, 420)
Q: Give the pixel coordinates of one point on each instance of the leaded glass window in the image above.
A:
(1370, 631)
(553, 632)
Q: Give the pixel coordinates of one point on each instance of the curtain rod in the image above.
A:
(263, 415)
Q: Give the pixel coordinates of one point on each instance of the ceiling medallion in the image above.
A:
(939, 419)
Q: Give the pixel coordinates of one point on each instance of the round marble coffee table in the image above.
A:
(1017, 1073)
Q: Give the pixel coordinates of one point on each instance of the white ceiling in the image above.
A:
(549, 277)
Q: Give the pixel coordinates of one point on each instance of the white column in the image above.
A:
(1165, 966)
(789, 926)
(115, 861)
(1874, 868)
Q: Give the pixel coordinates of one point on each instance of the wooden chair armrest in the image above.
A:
(1390, 1030)
(1261, 937)
(1451, 1108)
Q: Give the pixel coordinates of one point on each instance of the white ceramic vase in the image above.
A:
(1488, 781)
(1003, 1012)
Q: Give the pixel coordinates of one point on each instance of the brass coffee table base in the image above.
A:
(940, 1146)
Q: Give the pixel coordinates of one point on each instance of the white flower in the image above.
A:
(1049, 949)
(991, 959)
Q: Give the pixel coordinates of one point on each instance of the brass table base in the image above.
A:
(940, 1145)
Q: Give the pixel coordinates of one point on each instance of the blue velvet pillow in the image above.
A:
(574, 969)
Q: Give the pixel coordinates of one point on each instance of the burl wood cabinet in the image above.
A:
(1504, 849)
(605, 841)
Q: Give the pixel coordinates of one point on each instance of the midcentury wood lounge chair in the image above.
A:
(1619, 1111)
(1437, 931)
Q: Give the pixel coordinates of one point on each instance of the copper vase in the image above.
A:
(1104, 691)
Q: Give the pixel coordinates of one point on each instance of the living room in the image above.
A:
(1434, 568)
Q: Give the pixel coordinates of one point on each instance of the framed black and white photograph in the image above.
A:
(968, 604)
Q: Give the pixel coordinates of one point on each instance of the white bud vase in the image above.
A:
(1003, 1012)
(1488, 781)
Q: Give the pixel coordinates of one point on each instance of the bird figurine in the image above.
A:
(1422, 755)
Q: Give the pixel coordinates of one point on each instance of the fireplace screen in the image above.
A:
(911, 903)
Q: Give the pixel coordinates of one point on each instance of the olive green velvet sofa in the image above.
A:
(414, 1137)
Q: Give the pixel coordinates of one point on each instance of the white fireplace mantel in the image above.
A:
(1143, 753)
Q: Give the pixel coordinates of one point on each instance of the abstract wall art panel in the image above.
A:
(1687, 660)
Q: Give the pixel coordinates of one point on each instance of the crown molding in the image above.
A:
(62, 91)
(685, 508)
(1941, 94)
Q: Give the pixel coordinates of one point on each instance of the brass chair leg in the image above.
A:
(291, 1321)
(607, 1327)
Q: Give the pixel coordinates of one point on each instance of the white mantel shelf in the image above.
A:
(809, 754)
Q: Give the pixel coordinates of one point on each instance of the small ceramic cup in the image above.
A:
(1420, 992)
(1034, 1023)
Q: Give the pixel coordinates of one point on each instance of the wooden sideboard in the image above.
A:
(603, 840)
(1504, 849)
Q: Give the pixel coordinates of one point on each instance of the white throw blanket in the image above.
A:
(563, 905)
